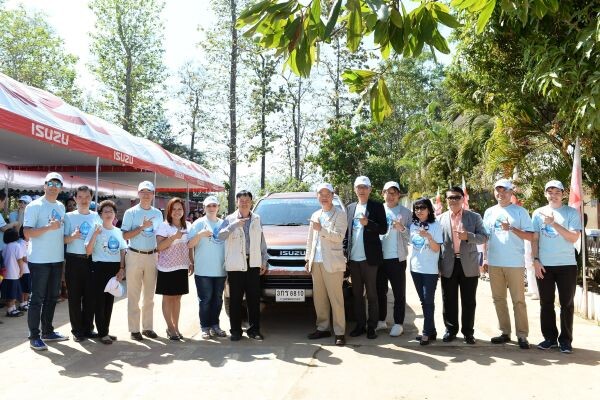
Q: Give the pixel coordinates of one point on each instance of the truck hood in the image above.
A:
(288, 236)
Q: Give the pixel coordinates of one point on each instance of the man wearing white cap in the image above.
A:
(326, 262)
(209, 268)
(362, 245)
(18, 215)
(556, 228)
(508, 226)
(139, 226)
(395, 250)
(43, 226)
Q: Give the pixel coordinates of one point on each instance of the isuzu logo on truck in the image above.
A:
(292, 252)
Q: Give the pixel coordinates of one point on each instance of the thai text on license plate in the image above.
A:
(289, 295)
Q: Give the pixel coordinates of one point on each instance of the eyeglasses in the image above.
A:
(454, 197)
(417, 208)
(54, 184)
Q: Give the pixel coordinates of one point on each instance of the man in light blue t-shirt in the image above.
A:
(43, 227)
(508, 226)
(78, 264)
(556, 228)
(209, 267)
(139, 225)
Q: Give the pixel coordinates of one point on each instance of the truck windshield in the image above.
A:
(288, 212)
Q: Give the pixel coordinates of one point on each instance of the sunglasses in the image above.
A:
(420, 208)
(454, 197)
(54, 184)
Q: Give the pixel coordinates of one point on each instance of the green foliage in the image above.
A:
(128, 50)
(31, 52)
(287, 185)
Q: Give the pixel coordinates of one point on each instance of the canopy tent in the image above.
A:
(39, 132)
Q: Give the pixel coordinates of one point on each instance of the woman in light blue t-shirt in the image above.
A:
(106, 245)
(425, 238)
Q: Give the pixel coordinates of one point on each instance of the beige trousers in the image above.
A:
(328, 298)
(513, 279)
(140, 272)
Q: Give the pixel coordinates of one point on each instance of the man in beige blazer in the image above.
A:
(326, 262)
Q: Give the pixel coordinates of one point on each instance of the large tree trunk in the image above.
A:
(263, 128)
(337, 79)
(232, 112)
(194, 118)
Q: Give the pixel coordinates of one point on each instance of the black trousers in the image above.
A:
(103, 302)
(364, 277)
(394, 271)
(240, 283)
(564, 278)
(79, 285)
(468, 291)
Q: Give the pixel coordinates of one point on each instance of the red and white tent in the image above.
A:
(39, 132)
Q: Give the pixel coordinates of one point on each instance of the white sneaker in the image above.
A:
(397, 330)
(381, 325)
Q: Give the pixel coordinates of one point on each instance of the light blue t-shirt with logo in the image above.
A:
(389, 241)
(423, 259)
(506, 249)
(357, 252)
(108, 245)
(209, 253)
(555, 250)
(133, 218)
(49, 246)
(85, 223)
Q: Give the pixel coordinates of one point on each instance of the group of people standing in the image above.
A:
(373, 240)
(370, 240)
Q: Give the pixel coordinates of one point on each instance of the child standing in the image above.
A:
(26, 277)
(13, 257)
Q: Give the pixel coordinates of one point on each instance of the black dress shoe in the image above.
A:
(235, 337)
(256, 336)
(448, 337)
(319, 334)
(425, 340)
(523, 343)
(431, 337)
(113, 338)
(371, 333)
(503, 338)
(340, 340)
(79, 338)
(92, 335)
(150, 333)
(359, 330)
(470, 340)
(136, 336)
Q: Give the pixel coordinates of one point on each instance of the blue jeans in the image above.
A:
(210, 299)
(45, 288)
(425, 285)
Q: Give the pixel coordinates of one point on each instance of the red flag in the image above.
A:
(438, 203)
(466, 198)
(576, 190)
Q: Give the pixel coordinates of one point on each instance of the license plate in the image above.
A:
(289, 295)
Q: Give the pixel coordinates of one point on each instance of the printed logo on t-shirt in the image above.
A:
(85, 228)
(215, 234)
(417, 240)
(111, 246)
(498, 223)
(548, 231)
(148, 232)
(55, 215)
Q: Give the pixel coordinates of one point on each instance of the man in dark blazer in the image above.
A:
(362, 247)
(462, 231)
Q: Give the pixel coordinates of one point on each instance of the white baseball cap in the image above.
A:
(325, 185)
(391, 184)
(114, 287)
(362, 180)
(505, 183)
(26, 199)
(554, 184)
(146, 185)
(210, 200)
(55, 176)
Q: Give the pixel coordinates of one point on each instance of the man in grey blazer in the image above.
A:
(462, 231)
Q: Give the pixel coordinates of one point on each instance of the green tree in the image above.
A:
(192, 93)
(127, 44)
(31, 52)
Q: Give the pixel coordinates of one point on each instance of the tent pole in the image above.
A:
(187, 197)
(154, 199)
(97, 173)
